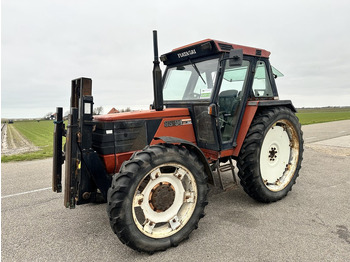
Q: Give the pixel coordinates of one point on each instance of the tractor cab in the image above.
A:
(215, 80)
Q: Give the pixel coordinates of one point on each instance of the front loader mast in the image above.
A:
(84, 171)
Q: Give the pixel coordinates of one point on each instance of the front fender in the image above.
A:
(192, 147)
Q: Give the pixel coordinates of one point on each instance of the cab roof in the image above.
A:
(208, 47)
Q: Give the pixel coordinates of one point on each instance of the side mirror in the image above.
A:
(236, 57)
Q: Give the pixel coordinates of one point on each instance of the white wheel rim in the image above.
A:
(279, 155)
(173, 185)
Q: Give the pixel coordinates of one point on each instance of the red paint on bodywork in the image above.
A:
(210, 155)
(114, 162)
(144, 114)
(249, 114)
(185, 132)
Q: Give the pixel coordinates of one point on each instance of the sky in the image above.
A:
(47, 43)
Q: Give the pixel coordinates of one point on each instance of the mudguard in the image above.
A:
(192, 147)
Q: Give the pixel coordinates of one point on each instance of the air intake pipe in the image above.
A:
(157, 77)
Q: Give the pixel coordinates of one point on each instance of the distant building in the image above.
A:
(113, 111)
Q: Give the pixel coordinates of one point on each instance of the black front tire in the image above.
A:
(157, 183)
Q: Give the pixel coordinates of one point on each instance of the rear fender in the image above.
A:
(251, 108)
(248, 116)
(274, 103)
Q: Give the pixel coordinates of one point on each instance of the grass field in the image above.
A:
(309, 116)
(41, 133)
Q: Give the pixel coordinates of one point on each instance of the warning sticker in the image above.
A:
(205, 93)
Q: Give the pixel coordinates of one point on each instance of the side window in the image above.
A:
(234, 77)
(261, 83)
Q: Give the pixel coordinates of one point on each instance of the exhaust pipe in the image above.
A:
(157, 77)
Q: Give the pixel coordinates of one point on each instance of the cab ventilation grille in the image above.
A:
(225, 47)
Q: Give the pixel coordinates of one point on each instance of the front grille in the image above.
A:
(119, 136)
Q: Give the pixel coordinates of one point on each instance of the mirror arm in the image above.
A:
(235, 57)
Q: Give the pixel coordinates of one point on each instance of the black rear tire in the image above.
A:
(157, 198)
(271, 155)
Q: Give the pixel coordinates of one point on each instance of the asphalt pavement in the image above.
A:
(311, 224)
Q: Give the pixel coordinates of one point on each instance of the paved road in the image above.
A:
(311, 224)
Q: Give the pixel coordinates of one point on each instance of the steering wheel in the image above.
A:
(223, 120)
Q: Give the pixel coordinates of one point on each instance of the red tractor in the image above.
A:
(215, 103)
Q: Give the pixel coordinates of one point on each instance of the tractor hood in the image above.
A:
(144, 114)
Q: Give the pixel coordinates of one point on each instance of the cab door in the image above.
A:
(232, 97)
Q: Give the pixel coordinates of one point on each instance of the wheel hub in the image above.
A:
(164, 200)
(278, 154)
(273, 153)
(162, 197)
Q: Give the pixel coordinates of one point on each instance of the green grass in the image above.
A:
(322, 115)
(40, 134)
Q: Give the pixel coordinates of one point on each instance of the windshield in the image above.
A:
(194, 81)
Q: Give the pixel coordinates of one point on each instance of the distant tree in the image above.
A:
(128, 109)
(98, 110)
